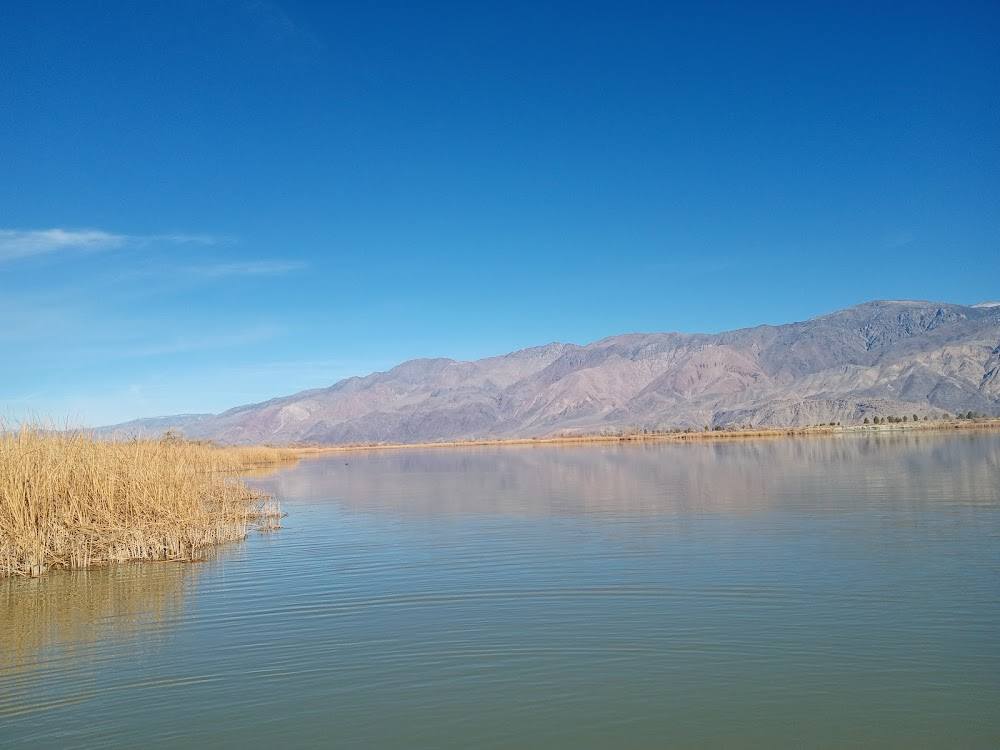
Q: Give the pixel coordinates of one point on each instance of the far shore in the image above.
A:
(675, 437)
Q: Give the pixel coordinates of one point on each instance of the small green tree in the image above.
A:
(866, 420)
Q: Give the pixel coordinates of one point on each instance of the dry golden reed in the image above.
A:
(68, 500)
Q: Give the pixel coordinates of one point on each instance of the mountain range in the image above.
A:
(875, 359)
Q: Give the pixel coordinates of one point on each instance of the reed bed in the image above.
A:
(68, 500)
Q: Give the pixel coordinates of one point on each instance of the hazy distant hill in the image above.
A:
(152, 426)
(879, 358)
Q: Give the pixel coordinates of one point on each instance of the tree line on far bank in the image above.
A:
(894, 419)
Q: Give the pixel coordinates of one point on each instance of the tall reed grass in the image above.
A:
(68, 500)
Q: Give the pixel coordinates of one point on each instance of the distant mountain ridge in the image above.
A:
(151, 426)
(878, 358)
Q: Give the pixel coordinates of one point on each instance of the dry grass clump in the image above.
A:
(70, 501)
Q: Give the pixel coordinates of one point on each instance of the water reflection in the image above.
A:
(72, 621)
(815, 593)
(735, 478)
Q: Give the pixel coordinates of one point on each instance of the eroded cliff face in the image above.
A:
(879, 358)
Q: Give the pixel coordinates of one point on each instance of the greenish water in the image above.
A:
(829, 592)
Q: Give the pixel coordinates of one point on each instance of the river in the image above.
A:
(814, 592)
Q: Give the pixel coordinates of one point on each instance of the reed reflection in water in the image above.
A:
(69, 622)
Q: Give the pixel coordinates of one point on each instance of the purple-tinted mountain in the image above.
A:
(875, 359)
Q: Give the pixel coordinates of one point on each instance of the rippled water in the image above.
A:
(800, 593)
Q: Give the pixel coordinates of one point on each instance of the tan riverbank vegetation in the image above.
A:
(68, 500)
(633, 435)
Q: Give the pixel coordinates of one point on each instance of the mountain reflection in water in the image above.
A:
(728, 477)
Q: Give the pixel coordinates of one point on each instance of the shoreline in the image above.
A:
(672, 437)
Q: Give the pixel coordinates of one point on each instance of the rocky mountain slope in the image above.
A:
(879, 358)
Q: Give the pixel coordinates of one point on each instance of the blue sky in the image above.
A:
(208, 203)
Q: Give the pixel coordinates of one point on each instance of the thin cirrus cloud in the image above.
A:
(184, 344)
(18, 243)
(27, 243)
(172, 275)
(246, 268)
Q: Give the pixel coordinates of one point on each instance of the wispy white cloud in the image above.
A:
(181, 239)
(183, 344)
(172, 275)
(25, 243)
(246, 268)
(18, 243)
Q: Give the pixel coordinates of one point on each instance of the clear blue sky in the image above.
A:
(206, 203)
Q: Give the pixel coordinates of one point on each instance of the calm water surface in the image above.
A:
(799, 593)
